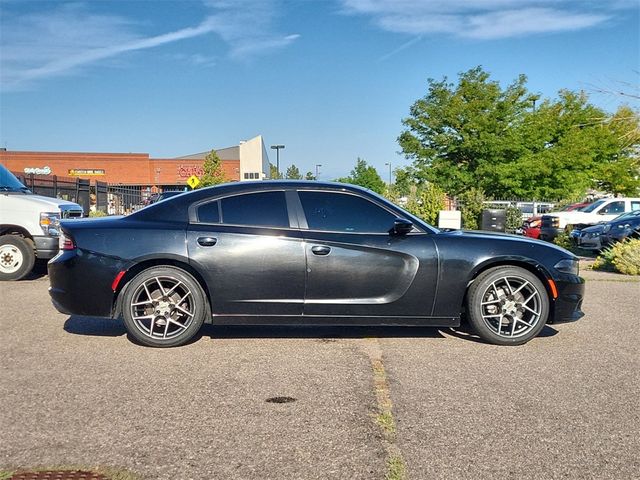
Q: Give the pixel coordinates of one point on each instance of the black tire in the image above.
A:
(16, 257)
(174, 313)
(507, 305)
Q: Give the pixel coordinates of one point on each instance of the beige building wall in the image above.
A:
(254, 161)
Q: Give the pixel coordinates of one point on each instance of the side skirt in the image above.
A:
(334, 320)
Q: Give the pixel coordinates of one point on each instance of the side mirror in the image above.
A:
(401, 226)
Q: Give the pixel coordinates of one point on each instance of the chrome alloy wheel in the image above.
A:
(162, 307)
(11, 258)
(511, 306)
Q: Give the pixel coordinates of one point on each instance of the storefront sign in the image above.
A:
(75, 172)
(185, 171)
(46, 170)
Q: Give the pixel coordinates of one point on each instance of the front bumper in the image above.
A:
(568, 306)
(46, 247)
(550, 233)
(587, 243)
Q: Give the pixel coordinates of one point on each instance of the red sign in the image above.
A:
(185, 171)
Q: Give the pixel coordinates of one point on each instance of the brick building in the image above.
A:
(245, 161)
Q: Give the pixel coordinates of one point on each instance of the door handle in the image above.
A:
(320, 250)
(207, 241)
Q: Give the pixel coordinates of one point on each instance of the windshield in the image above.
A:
(593, 206)
(635, 213)
(9, 183)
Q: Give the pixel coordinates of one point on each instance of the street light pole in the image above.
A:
(277, 149)
(318, 165)
(390, 177)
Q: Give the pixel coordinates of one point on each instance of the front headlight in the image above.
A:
(50, 223)
(568, 265)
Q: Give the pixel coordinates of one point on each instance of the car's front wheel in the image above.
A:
(163, 307)
(507, 305)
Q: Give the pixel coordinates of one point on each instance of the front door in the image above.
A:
(355, 268)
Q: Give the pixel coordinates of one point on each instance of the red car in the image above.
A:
(531, 226)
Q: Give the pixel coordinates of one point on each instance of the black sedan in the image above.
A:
(305, 253)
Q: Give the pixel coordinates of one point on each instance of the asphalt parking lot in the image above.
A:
(76, 391)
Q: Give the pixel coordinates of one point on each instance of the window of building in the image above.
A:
(209, 213)
(339, 212)
(265, 209)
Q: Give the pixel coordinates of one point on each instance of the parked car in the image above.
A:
(589, 238)
(158, 197)
(620, 228)
(605, 234)
(531, 226)
(29, 226)
(602, 210)
(306, 253)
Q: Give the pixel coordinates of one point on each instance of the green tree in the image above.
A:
(477, 134)
(213, 173)
(273, 172)
(309, 176)
(620, 174)
(293, 173)
(456, 130)
(366, 176)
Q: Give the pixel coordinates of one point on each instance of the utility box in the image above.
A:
(450, 219)
(494, 220)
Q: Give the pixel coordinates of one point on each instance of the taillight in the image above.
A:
(65, 242)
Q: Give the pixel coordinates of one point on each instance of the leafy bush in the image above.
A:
(514, 218)
(564, 240)
(97, 213)
(470, 204)
(623, 257)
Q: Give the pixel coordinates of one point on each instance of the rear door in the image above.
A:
(244, 246)
(355, 268)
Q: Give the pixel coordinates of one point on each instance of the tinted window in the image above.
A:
(338, 212)
(268, 209)
(208, 213)
(635, 206)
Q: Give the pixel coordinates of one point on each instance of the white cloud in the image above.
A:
(69, 37)
(485, 19)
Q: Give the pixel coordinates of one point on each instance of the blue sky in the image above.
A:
(330, 79)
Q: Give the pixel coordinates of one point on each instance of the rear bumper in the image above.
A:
(81, 283)
(568, 306)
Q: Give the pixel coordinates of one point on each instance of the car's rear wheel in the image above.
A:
(16, 257)
(507, 305)
(163, 307)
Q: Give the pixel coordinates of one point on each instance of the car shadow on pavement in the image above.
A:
(465, 333)
(323, 333)
(107, 327)
(39, 270)
(94, 326)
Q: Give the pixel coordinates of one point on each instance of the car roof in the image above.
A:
(168, 210)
